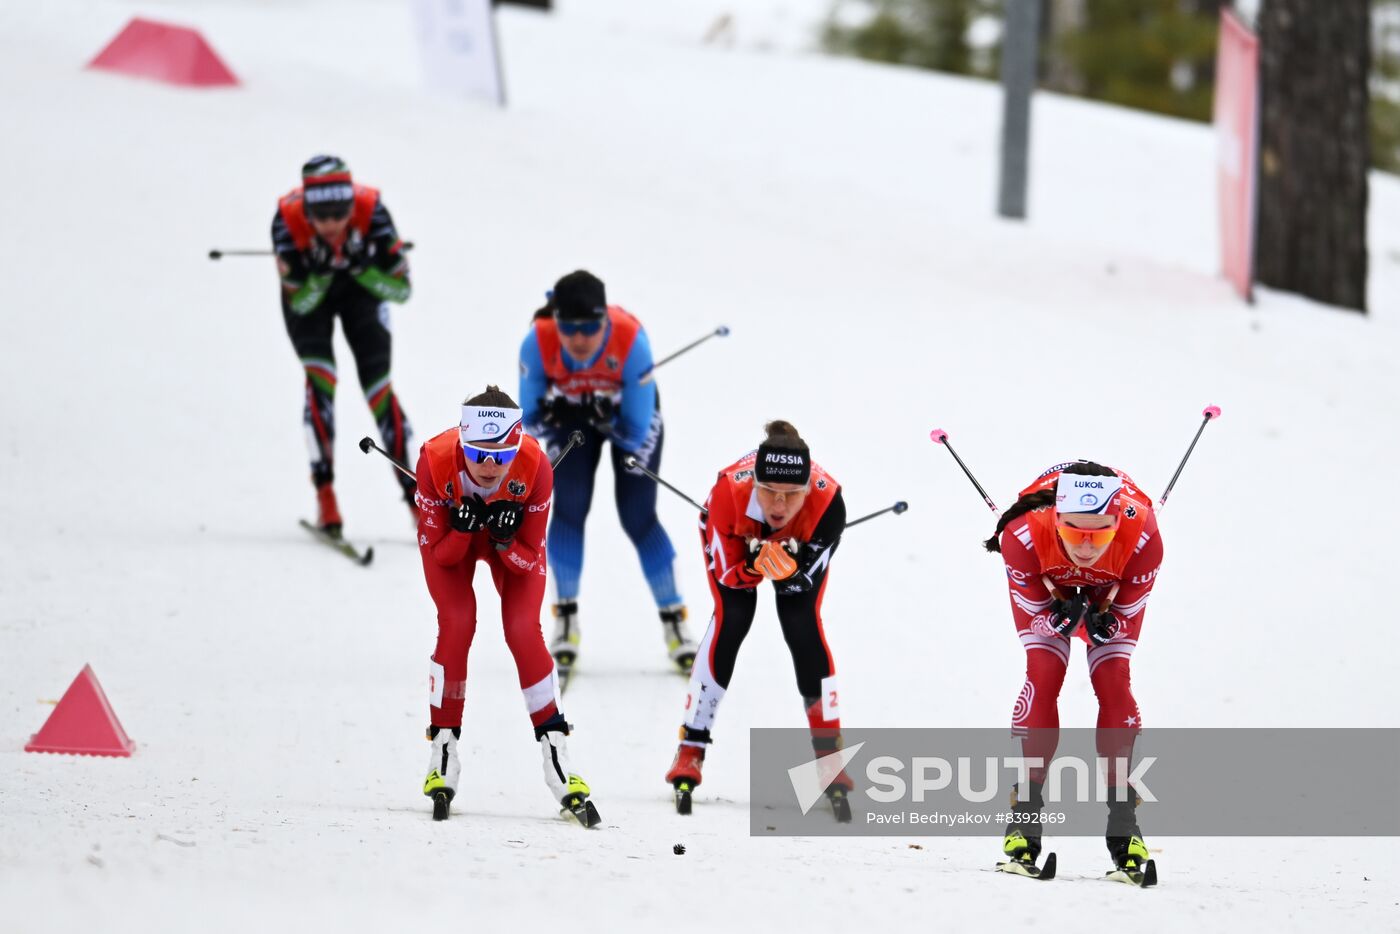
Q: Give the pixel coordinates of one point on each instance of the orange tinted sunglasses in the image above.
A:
(1097, 537)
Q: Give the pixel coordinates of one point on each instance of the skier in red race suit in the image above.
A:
(773, 515)
(1082, 551)
(484, 491)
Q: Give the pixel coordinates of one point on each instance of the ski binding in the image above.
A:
(1030, 870)
(683, 790)
(1143, 878)
(580, 810)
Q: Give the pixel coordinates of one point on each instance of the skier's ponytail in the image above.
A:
(1025, 504)
(781, 434)
(1041, 499)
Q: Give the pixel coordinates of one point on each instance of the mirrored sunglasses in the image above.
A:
(477, 455)
(1097, 537)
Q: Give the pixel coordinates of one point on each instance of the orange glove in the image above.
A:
(773, 562)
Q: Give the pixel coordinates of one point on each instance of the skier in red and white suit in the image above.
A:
(1082, 551)
(773, 515)
(484, 491)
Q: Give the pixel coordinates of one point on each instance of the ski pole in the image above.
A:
(575, 438)
(939, 436)
(1210, 412)
(633, 463)
(721, 331)
(220, 254)
(898, 508)
(366, 443)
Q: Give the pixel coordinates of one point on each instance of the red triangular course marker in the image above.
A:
(83, 723)
(165, 52)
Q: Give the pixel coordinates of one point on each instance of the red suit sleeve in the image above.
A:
(724, 548)
(435, 533)
(1029, 595)
(526, 553)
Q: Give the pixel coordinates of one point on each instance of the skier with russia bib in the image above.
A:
(773, 515)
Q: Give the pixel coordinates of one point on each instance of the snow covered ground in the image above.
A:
(836, 215)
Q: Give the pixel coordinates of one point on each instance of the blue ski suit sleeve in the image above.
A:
(533, 382)
(638, 397)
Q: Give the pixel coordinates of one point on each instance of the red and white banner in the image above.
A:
(1237, 141)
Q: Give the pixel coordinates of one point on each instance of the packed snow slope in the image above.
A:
(838, 217)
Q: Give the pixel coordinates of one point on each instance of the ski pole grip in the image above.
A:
(900, 507)
(365, 444)
(938, 436)
(1211, 411)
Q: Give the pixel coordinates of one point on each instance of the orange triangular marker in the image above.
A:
(83, 723)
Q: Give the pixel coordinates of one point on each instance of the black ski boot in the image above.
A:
(1022, 841)
(1131, 860)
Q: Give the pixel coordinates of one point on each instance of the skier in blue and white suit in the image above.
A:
(587, 366)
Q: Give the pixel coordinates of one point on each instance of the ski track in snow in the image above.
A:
(832, 210)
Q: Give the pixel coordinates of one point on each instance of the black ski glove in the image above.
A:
(1102, 626)
(600, 412)
(319, 258)
(558, 412)
(1065, 614)
(503, 521)
(470, 515)
(358, 253)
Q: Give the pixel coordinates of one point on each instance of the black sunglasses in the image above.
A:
(334, 211)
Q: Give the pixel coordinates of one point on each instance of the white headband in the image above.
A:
(491, 424)
(1078, 493)
(315, 194)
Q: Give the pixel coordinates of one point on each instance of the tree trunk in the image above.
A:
(1315, 59)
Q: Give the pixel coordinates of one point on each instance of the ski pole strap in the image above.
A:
(633, 463)
(898, 508)
(367, 443)
(1210, 412)
(939, 436)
